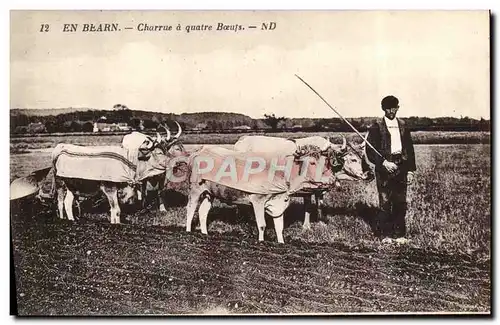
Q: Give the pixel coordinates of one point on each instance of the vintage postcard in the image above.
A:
(250, 162)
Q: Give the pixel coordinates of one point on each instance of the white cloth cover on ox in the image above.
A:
(257, 181)
(102, 163)
(132, 142)
(262, 143)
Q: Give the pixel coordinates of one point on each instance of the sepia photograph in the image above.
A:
(250, 162)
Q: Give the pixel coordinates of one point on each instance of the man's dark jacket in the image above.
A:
(380, 138)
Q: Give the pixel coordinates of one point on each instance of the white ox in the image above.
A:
(80, 171)
(355, 165)
(265, 194)
(141, 146)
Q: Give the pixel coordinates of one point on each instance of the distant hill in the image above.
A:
(88, 114)
(46, 111)
(84, 112)
(73, 119)
(82, 119)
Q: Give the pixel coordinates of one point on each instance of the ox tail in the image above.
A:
(52, 193)
(53, 179)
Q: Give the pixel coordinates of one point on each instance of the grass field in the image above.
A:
(25, 144)
(449, 205)
(449, 227)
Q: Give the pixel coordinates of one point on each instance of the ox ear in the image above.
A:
(149, 142)
(327, 152)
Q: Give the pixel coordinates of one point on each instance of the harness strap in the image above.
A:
(111, 155)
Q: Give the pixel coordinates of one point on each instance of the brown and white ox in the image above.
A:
(264, 196)
(355, 166)
(172, 148)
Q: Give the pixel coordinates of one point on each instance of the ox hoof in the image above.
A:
(387, 240)
(401, 241)
(306, 227)
(162, 208)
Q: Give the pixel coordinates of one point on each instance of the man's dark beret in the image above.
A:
(389, 102)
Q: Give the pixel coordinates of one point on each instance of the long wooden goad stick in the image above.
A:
(333, 109)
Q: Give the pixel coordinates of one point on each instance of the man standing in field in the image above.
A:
(393, 171)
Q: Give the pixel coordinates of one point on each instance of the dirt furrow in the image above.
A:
(103, 269)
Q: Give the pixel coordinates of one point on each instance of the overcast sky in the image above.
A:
(436, 63)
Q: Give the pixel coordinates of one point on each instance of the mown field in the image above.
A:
(150, 265)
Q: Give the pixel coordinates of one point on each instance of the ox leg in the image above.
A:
(307, 212)
(278, 226)
(117, 212)
(161, 201)
(143, 194)
(203, 210)
(68, 204)
(112, 195)
(77, 202)
(60, 202)
(319, 204)
(139, 198)
(194, 197)
(259, 211)
(161, 193)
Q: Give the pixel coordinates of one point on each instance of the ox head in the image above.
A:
(161, 147)
(349, 162)
(277, 204)
(127, 194)
(167, 143)
(162, 150)
(161, 144)
(167, 146)
(154, 153)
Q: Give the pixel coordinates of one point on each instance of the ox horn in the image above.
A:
(363, 144)
(158, 137)
(168, 133)
(344, 144)
(179, 132)
(164, 126)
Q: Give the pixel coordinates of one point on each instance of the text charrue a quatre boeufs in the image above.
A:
(149, 27)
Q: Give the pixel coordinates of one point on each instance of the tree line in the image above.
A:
(83, 121)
